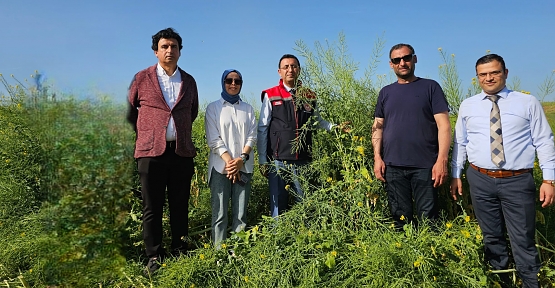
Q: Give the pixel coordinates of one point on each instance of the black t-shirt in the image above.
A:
(410, 134)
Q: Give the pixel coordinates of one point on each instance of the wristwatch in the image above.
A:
(245, 157)
(550, 182)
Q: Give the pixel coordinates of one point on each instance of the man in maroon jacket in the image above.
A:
(163, 105)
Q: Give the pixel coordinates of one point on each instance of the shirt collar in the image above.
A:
(502, 94)
(287, 87)
(161, 72)
(222, 101)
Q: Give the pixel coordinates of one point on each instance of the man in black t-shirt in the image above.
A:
(411, 136)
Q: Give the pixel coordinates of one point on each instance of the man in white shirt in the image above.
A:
(163, 105)
(286, 108)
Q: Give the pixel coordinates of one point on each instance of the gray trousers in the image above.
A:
(221, 190)
(507, 205)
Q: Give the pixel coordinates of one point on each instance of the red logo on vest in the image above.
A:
(307, 107)
(277, 103)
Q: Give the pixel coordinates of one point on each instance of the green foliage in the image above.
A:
(88, 184)
(69, 218)
(20, 195)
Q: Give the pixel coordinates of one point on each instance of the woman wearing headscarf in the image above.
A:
(231, 134)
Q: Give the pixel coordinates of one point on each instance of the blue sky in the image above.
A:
(91, 47)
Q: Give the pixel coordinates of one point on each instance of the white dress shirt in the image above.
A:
(170, 85)
(229, 128)
(526, 133)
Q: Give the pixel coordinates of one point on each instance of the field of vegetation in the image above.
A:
(70, 215)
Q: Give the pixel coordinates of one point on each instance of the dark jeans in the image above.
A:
(172, 173)
(284, 173)
(405, 183)
(507, 202)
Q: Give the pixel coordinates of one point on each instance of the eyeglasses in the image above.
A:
(231, 80)
(286, 67)
(406, 58)
(492, 74)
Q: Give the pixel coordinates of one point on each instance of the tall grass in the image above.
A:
(69, 215)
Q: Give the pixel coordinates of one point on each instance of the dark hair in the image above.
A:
(399, 46)
(167, 33)
(286, 56)
(489, 58)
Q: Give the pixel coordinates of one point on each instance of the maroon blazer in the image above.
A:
(149, 114)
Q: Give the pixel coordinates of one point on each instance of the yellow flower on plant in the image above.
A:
(192, 285)
(287, 187)
(355, 138)
(201, 256)
(262, 256)
(206, 245)
(449, 225)
(359, 204)
(329, 179)
(224, 246)
(478, 236)
(333, 253)
(435, 279)
(402, 217)
(398, 245)
(465, 233)
(416, 263)
(467, 219)
(360, 150)
(163, 264)
(246, 278)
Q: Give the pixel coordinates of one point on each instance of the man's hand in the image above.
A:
(379, 169)
(439, 173)
(456, 188)
(547, 194)
(264, 169)
(345, 126)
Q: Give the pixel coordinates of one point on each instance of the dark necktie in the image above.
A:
(496, 135)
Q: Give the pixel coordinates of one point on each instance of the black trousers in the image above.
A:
(507, 205)
(405, 183)
(169, 173)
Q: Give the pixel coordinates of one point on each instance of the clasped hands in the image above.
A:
(232, 167)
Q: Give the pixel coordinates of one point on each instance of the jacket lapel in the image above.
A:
(184, 84)
(154, 81)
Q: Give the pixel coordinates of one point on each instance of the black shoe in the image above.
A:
(152, 265)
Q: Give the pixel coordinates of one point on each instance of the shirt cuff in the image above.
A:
(548, 174)
(262, 159)
(221, 151)
(250, 143)
(456, 172)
